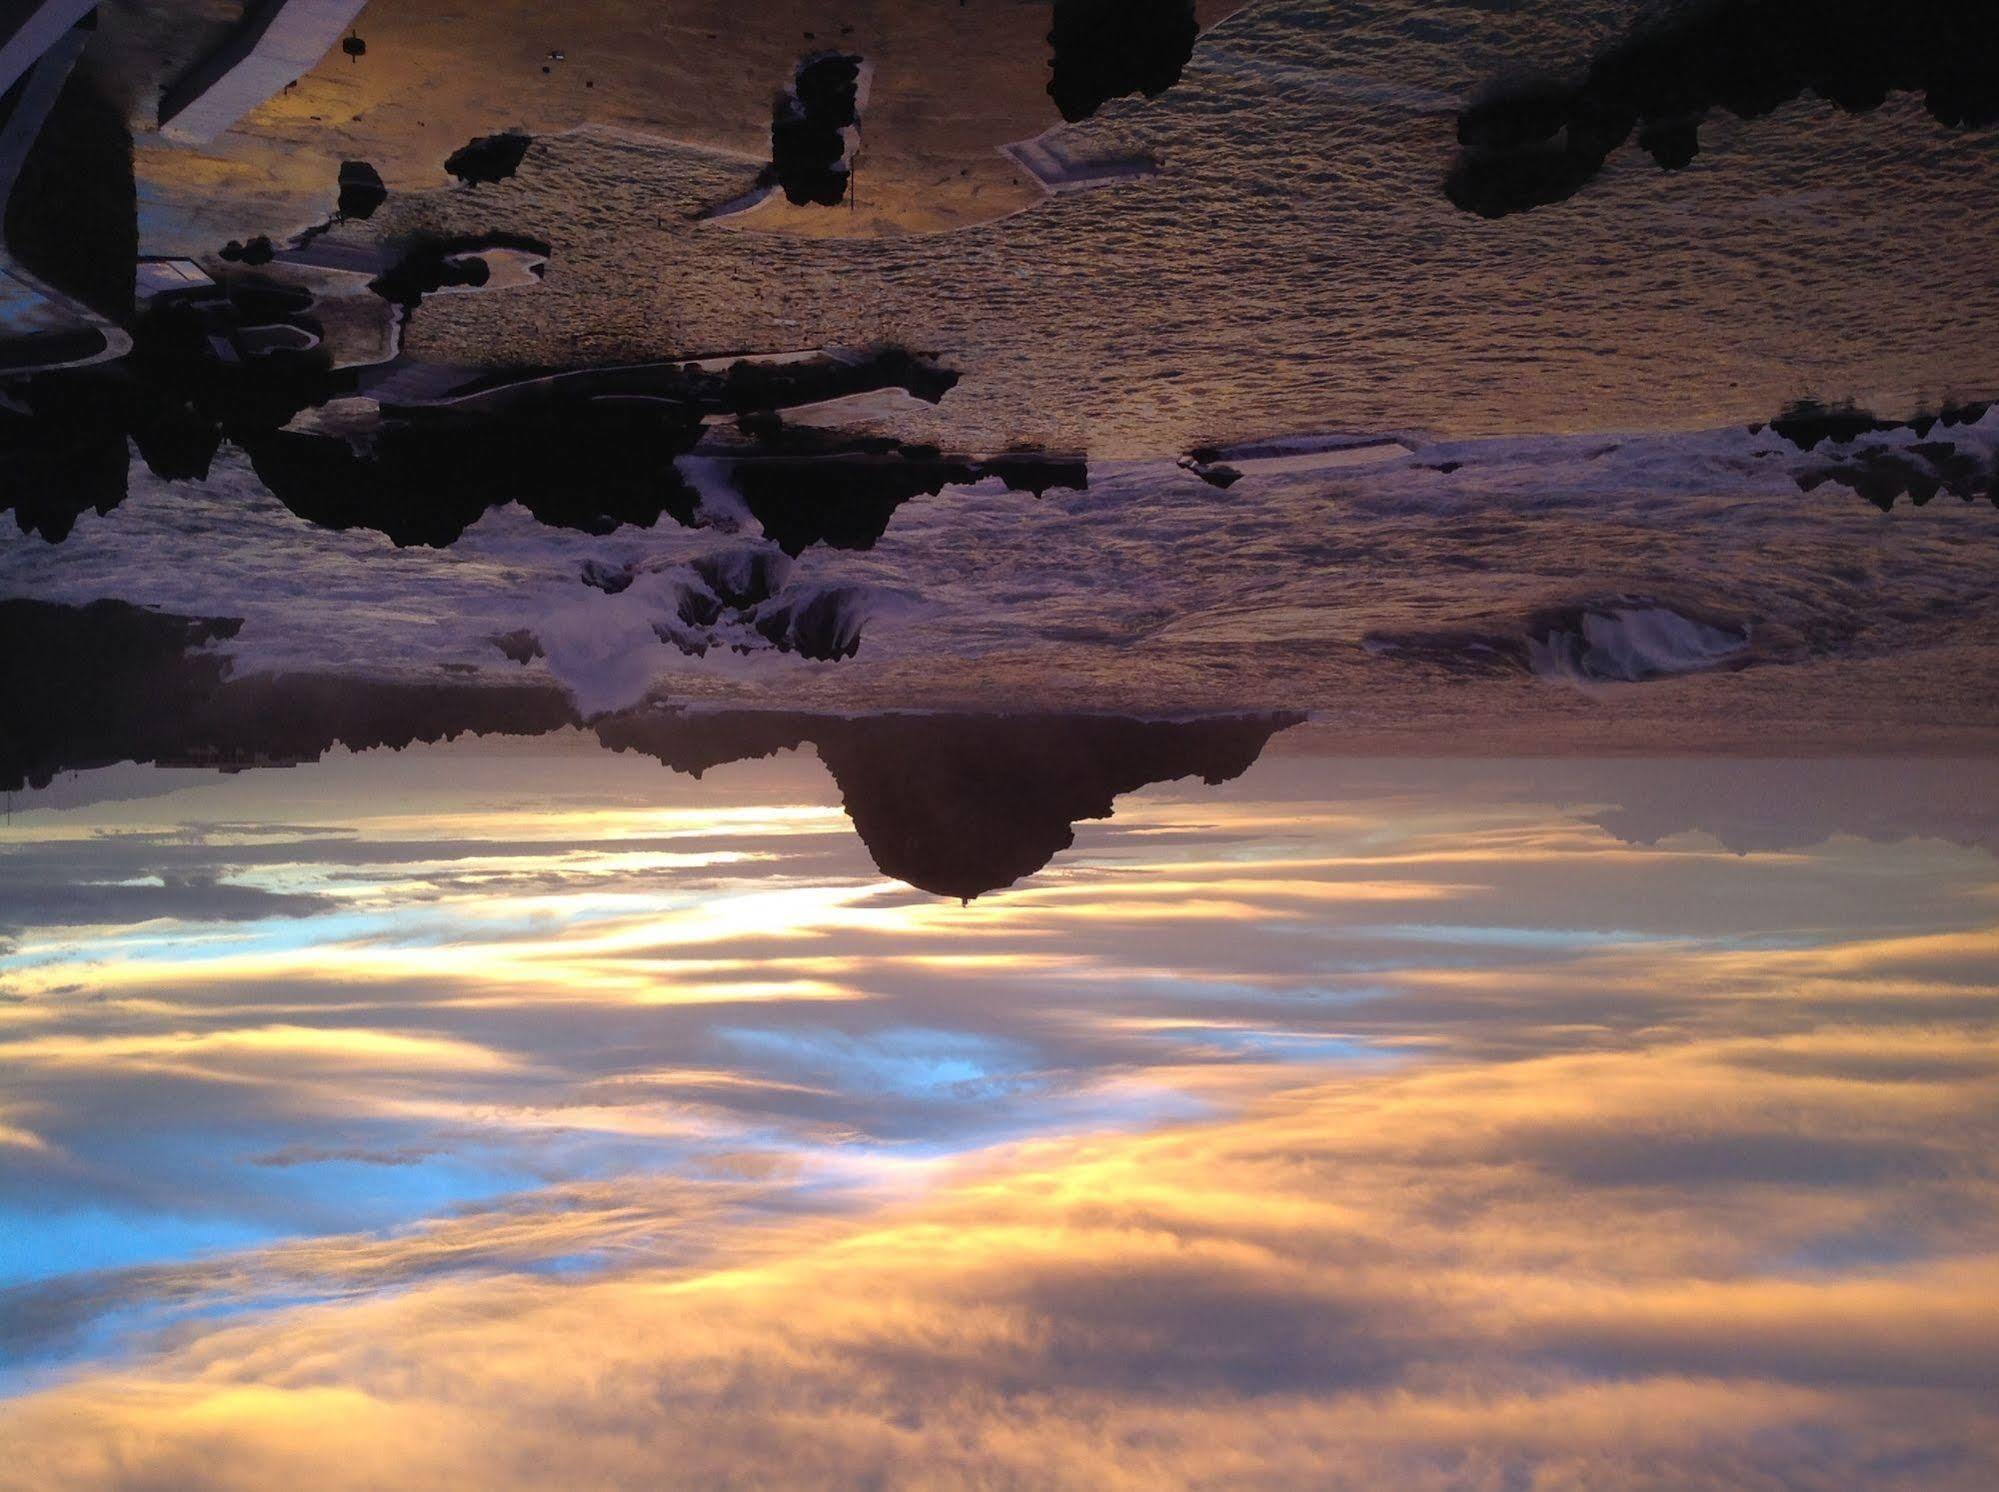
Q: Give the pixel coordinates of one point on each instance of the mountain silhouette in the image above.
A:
(954, 804)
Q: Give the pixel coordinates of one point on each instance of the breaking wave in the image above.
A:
(1631, 643)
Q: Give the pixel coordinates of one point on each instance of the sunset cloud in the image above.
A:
(1427, 1142)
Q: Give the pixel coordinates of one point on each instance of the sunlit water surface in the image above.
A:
(534, 1116)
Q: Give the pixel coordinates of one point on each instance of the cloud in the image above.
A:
(1404, 1140)
(45, 903)
(1406, 1273)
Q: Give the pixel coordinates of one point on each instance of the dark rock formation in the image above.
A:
(744, 388)
(87, 686)
(844, 502)
(237, 361)
(1948, 416)
(1207, 464)
(489, 158)
(743, 577)
(1884, 470)
(750, 386)
(520, 645)
(805, 489)
(1105, 49)
(1032, 471)
(960, 805)
(585, 449)
(953, 804)
(175, 395)
(1531, 144)
(72, 220)
(823, 623)
(584, 463)
(1807, 423)
(259, 250)
(1882, 474)
(807, 150)
(736, 601)
(429, 262)
(61, 458)
(361, 190)
(612, 580)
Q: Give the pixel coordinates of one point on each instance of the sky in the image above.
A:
(493, 1114)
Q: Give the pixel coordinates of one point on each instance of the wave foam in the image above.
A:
(1627, 644)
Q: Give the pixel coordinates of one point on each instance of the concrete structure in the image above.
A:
(23, 125)
(279, 42)
(365, 259)
(168, 277)
(40, 327)
(1048, 159)
(406, 381)
(30, 28)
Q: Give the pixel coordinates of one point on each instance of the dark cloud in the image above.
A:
(312, 1155)
(29, 900)
(1736, 1156)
